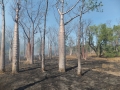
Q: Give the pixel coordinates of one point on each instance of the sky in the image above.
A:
(111, 12)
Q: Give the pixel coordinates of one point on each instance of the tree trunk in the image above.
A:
(15, 61)
(24, 47)
(79, 71)
(50, 50)
(29, 52)
(62, 54)
(32, 47)
(2, 61)
(43, 41)
(71, 51)
(10, 54)
(83, 52)
(40, 51)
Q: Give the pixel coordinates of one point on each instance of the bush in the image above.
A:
(110, 52)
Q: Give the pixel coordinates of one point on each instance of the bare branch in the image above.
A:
(58, 8)
(71, 7)
(23, 29)
(71, 19)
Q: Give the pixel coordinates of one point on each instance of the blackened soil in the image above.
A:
(30, 77)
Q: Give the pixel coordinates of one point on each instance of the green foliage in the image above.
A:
(101, 40)
(94, 5)
(110, 51)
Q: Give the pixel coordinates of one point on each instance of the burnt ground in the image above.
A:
(96, 75)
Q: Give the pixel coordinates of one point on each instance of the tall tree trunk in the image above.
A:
(40, 51)
(24, 47)
(32, 47)
(43, 41)
(29, 52)
(83, 52)
(10, 51)
(2, 61)
(79, 71)
(71, 51)
(62, 54)
(15, 61)
(50, 50)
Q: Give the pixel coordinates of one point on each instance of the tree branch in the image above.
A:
(71, 19)
(71, 8)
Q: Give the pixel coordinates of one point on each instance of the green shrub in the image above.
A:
(110, 52)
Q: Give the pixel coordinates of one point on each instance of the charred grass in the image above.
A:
(97, 74)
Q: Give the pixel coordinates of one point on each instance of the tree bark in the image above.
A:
(50, 50)
(2, 61)
(43, 41)
(71, 51)
(40, 50)
(10, 51)
(29, 52)
(62, 54)
(79, 71)
(15, 61)
(32, 47)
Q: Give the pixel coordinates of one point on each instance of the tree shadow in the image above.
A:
(28, 69)
(68, 69)
(29, 85)
(32, 84)
(51, 69)
(85, 72)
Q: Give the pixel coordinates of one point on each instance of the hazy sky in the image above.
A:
(111, 12)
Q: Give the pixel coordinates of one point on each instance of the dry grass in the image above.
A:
(108, 72)
(115, 59)
(108, 66)
(94, 57)
(72, 57)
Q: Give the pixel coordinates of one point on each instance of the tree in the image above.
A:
(70, 44)
(103, 35)
(86, 6)
(62, 54)
(43, 40)
(9, 33)
(2, 61)
(31, 17)
(116, 32)
(15, 61)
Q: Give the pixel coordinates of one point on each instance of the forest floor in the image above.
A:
(97, 74)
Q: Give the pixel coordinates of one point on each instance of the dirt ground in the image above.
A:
(97, 74)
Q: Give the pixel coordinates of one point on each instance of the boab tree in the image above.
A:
(30, 24)
(43, 40)
(15, 61)
(62, 54)
(2, 57)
